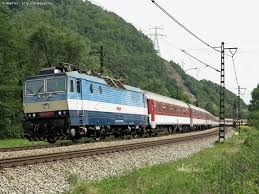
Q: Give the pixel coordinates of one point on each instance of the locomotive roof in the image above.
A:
(85, 76)
(44, 75)
(99, 80)
(133, 88)
(91, 78)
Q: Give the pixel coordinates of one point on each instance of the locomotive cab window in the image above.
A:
(34, 87)
(78, 89)
(56, 84)
(71, 85)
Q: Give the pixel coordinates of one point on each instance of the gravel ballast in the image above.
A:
(14, 154)
(55, 177)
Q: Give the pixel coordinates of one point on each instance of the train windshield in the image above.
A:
(34, 87)
(57, 84)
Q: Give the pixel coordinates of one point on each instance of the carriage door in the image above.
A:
(190, 115)
(79, 95)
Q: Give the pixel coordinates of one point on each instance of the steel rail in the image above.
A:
(29, 160)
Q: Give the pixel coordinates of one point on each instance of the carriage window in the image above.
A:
(78, 89)
(91, 88)
(71, 85)
(100, 90)
(56, 84)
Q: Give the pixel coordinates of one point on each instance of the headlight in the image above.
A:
(34, 115)
(29, 115)
(64, 112)
(59, 113)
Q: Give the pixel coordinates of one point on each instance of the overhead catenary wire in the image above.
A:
(233, 51)
(194, 68)
(207, 65)
(186, 53)
(184, 27)
(235, 72)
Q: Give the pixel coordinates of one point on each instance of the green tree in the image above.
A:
(11, 63)
(253, 118)
(210, 107)
(51, 45)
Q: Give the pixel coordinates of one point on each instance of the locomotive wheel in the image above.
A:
(116, 134)
(97, 135)
(75, 140)
(134, 135)
(185, 128)
(51, 140)
(97, 138)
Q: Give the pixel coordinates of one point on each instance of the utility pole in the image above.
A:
(155, 36)
(222, 124)
(101, 54)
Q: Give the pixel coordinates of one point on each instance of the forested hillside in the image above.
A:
(32, 37)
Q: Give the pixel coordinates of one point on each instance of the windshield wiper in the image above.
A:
(39, 90)
(29, 90)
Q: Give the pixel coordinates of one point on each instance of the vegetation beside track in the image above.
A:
(7, 143)
(10, 143)
(231, 167)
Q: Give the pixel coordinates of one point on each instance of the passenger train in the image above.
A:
(66, 103)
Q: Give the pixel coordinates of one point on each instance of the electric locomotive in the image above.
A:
(63, 103)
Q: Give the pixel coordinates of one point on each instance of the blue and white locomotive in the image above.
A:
(62, 103)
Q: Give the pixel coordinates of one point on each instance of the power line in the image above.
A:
(197, 71)
(195, 68)
(234, 66)
(207, 65)
(185, 28)
(233, 51)
(184, 51)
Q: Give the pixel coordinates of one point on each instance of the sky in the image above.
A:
(233, 22)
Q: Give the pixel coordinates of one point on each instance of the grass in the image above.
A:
(231, 167)
(6, 143)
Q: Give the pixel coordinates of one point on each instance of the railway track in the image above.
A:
(28, 160)
(23, 148)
